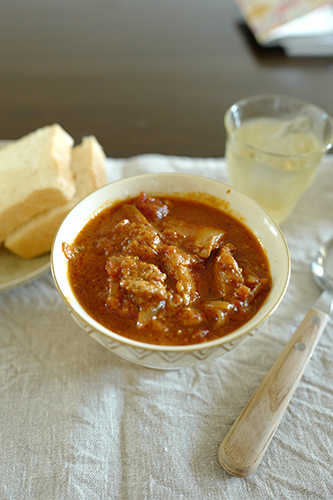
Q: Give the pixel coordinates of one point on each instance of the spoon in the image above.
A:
(296, 125)
(244, 446)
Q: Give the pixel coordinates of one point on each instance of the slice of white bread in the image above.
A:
(35, 175)
(35, 237)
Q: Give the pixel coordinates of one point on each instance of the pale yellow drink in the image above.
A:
(272, 164)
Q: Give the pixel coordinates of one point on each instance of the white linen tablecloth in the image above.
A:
(77, 422)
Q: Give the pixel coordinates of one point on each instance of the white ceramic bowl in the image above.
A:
(234, 202)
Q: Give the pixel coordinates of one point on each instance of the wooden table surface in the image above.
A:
(143, 76)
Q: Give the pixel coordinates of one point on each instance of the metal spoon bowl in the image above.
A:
(322, 267)
(244, 446)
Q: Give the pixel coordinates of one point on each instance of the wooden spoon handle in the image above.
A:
(245, 444)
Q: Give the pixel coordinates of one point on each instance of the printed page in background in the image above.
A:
(264, 17)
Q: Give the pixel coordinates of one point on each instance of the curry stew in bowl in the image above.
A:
(167, 270)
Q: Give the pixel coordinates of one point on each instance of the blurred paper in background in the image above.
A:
(300, 27)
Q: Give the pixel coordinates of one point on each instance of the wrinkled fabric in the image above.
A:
(78, 422)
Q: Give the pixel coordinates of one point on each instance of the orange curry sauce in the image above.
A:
(168, 270)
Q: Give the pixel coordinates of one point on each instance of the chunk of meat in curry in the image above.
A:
(201, 240)
(176, 272)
